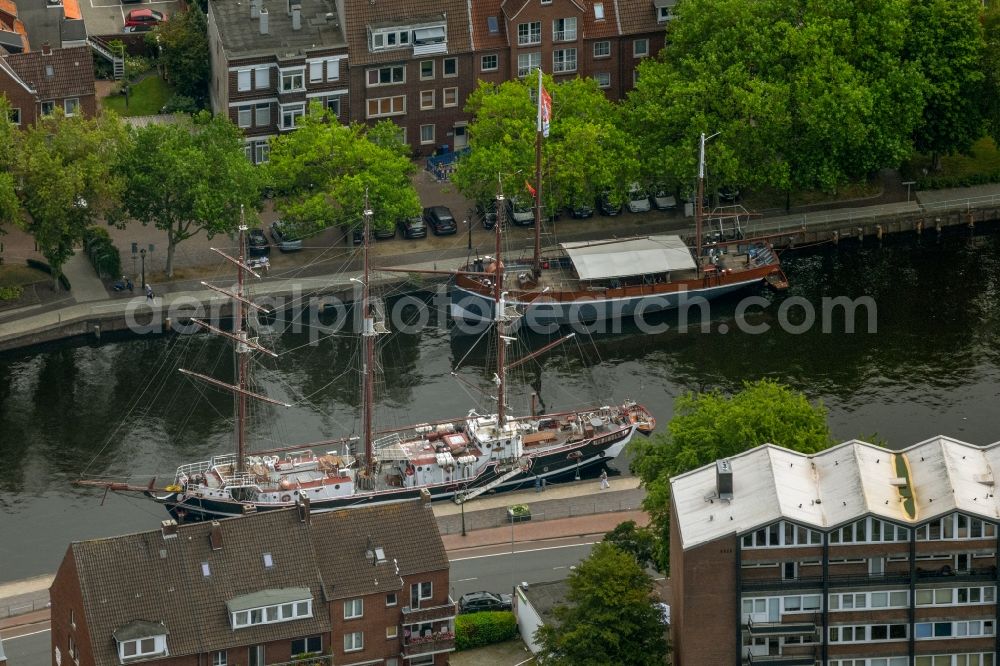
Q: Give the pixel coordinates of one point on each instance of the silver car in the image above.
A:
(638, 200)
(285, 241)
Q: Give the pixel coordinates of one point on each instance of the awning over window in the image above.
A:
(268, 598)
(632, 256)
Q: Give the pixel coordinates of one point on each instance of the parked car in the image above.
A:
(144, 16)
(638, 200)
(605, 205)
(257, 245)
(440, 220)
(137, 28)
(483, 601)
(486, 211)
(384, 233)
(125, 1)
(412, 227)
(286, 241)
(580, 209)
(729, 193)
(661, 198)
(520, 212)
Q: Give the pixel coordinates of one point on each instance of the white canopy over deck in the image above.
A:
(597, 260)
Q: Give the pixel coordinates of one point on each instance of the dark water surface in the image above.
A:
(120, 408)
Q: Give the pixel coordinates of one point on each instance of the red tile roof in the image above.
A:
(482, 38)
(71, 73)
(360, 14)
(637, 17)
(599, 29)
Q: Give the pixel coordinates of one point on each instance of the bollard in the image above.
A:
(972, 221)
(97, 331)
(836, 237)
(920, 227)
(878, 231)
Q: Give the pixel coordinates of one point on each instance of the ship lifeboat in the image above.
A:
(641, 419)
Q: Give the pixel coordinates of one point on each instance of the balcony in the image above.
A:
(780, 659)
(416, 646)
(947, 573)
(781, 628)
(845, 580)
(308, 660)
(430, 613)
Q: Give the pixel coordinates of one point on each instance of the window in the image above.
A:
(293, 81)
(952, 596)
(391, 632)
(263, 115)
(248, 151)
(426, 99)
(528, 62)
(333, 69)
(220, 658)
(140, 647)
(449, 97)
(243, 80)
(529, 33)
(563, 60)
(47, 107)
(419, 592)
(290, 113)
(602, 49)
(390, 39)
(640, 48)
(271, 614)
(15, 116)
(489, 63)
(449, 67)
(257, 655)
(307, 645)
(782, 533)
(603, 79)
(315, 71)
(386, 106)
(391, 599)
(964, 629)
(71, 105)
(385, 76)
(564, 30)
(665, 13)
(244, 116)
(426, 134)
(262, 152)
(493, 25)
(956, 526)
(354, 608)
(261, 78)
(354, 641)
(599, 11)
(332, 104)
(867, 633)
(426, 69)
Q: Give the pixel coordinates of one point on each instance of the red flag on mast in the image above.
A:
(530, 189)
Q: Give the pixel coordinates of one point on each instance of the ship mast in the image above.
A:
(499, 318)
(370, 330)
(698, 210)
(538, 179)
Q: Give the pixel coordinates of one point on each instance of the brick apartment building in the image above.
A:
(37, 82)
(367, 585)
(856, 556)
(415, 62)
(270, 59)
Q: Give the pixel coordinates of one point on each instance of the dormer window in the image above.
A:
(141, 639)
(664, 9)
(270, 607)
(424, 38)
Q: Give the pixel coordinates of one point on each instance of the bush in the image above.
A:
(478, 629)
(967, 180)
(11, 293)
(180, 104)
(104, 256)
(45, 268)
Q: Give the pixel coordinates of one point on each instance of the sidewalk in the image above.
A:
(533, 531)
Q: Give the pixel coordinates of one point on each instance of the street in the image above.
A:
(30, 649)
(493, 569)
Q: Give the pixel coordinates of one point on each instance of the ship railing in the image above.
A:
(239, 480)
(195, 468)
(387, 441)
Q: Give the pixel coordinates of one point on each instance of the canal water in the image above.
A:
(120, 408)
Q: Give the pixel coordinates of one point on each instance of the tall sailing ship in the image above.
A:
(458, 458)
(582, 282)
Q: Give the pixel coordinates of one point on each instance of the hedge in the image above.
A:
(45, 268)
(474, 630)
(11, 293)
(968, 180)
(104, 256)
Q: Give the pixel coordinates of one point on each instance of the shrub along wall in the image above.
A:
(104, 256)
(478, 629)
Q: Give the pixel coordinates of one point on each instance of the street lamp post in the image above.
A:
(511, 550)
(463, 511)
(142, 253)
(469, 224)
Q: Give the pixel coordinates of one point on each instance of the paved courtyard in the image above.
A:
(107, 17)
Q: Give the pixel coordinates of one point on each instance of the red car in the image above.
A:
(144, 17)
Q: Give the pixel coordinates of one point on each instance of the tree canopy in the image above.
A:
(640, 542)
(991, 70)
(9, 205)
(189, 177)
(323, 169)
(585, 153)
(64, 165)
(713, 425)
(610, 617)
(184, 39)
(804, 95)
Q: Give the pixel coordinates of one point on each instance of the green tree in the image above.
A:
(586, 151)
(9, 205)
(946, 39)
(804, 95)
(185, 57)
(991, 70)
(712, 425)
(323, 169)
(642, 543)
(189, 177)
(610, 616)
(64, 168)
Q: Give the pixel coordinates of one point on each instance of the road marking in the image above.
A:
(516, 552)
(554, 568)
(465, 580)
(34, 633)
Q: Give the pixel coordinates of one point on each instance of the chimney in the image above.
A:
(724, 479)
(302, 506)
(254, 9)
(46, 49)
(425, 497)
(169, 529)
(296, 17)
(215, 536)
(263, 20)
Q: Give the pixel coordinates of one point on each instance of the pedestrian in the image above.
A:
(604, 480)
(129, 285)
(149, 293)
